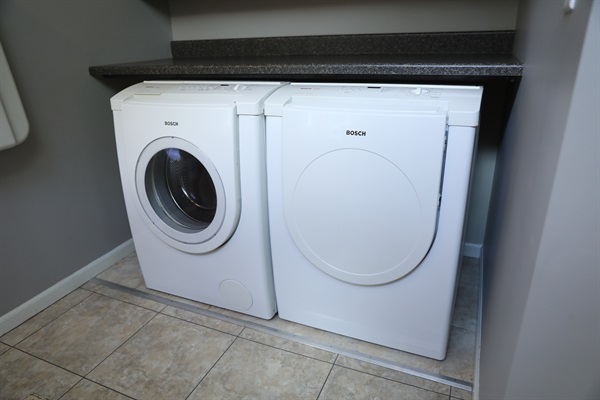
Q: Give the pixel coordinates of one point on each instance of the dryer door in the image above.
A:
(361, 188)
(182, 194)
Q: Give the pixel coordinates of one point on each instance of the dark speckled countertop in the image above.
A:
(384, 57)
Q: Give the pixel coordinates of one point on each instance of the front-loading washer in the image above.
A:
(367, 190)
(192, 164)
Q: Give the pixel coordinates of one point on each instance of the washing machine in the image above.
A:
(192, 164)
(367, 190)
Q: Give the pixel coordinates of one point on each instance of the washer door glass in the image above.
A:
(181, 192)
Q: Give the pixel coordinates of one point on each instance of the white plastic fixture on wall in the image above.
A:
(14, 126)
(570, 6)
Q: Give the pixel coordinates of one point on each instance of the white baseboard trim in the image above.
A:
(15, 317)
(472, 250)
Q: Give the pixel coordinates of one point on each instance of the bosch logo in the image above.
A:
(356, 133)
(171, 123)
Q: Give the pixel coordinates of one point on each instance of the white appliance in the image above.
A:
(367, 195)
(14, 125)
(192, 163)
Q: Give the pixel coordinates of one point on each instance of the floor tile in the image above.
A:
(126, 272)
(467, 298)
(344, 383)
(288, 345)
(86, 334)
(124, 296)
(469, 273)
(457, 364)
(87, 390)
(460, 361)
(461, 394)
(161, 355)
(393, 375)
(313, 334)
(22, 375)
(34, 396)
(203, 320)
(251, 370)
(465, 308)
(164, 360)
(4, 348)
(44, 317)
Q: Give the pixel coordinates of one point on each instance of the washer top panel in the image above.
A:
(247, 96)
(462, 102)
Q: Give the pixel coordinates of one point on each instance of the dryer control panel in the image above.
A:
(462, 102)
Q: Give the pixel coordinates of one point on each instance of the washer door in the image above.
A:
(182, 195)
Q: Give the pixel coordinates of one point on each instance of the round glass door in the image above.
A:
(180, 191)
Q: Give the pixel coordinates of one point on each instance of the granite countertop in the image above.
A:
(423, 56)
(280, 67)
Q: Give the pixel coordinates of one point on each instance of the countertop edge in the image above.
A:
(511, 67)
(468, 54)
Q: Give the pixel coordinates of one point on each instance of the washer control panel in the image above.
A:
(246, 97)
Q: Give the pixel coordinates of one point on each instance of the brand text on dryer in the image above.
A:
(171, 123)
(356, 133)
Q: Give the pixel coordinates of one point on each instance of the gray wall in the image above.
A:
(541, 311)
(265, 18)
(60, 195)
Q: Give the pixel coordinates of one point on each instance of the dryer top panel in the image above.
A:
(461, 102)
(248, 97)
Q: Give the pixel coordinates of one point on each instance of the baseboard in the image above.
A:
(49, 296)
(472, 250)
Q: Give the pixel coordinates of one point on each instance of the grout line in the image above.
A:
(121, 345)
(327, 377)
(273, 346)
(99, 384)
(50, 320)
(49, 362)
(457, 383)
(235, 338)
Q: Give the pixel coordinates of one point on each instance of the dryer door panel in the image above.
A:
(361, 189)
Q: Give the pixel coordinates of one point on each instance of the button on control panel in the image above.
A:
(419, 91)
(429, 92)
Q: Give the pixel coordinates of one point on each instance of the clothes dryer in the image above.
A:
(192, 164)
(367, 188)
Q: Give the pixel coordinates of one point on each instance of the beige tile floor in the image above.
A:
(103, 342)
